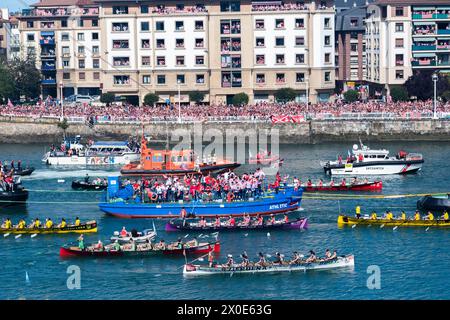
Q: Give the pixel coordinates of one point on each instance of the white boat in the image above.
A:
(138, 237)
(339, 262)
(365, 161)
(98, 153)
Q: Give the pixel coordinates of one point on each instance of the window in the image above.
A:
(399, 27)
(300, 41)
(399, 11)
(399, 60)
(179, 60)
(146, 79)
(80, 36)
(65, 37)
(327, 76)
(260, 78)
(30, 37)
(145, 26)
(231, 79)
(81, 23)
(65, 51)
(30, 24)
(96, 63)
(120, 9)
(299, 77)
(259, 24)
(146, 61)
(121, 61)
(354, 47)
(82, 76)
(95, 36)
(96, 75)
(64, 23)
(279, 41)
(230, 26)
(160, 43)
(326, 23)
(260, 59)
(179, 43)
(327, 58)
(120, 44)
(399, 43)
(120, 27)
(80, 49)
(144, 8)
(179, 26)
(81, 64)
(66, 76)
(299, 58)
(160, 61)
(199, 60)
(200, 78)
(199, 25)
(94, 22)
(230, 6)
(159, 25)
(327, 40)
(180, 78)
(145, 43)
(399, 74)
(260, 42)
(199, 43)
(66, 63)
(280, 78)
(161, 79)
(121, 80)
(279, 23)
(279, 59)
(299, 23)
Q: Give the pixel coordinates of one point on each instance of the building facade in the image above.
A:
(171, 48)
(403, 36)
(4, 35)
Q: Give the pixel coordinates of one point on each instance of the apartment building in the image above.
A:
(13, 50)
(175, 47)
(403, 36)
(350, 47)
(4, 21)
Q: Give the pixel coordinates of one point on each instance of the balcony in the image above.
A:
(419, 16)
(48, 81)
(423, 48)
(48, 67)
(443, 47)
(443, 31)
(44, 41)
(441, 16)
(424, 63)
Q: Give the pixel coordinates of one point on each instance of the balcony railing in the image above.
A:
(443, 31)
(76, 11)
(443, 47)
(48, 67)
(423, 63)
(47, 41)
(423, 48)
(49, 81)
(417, 16)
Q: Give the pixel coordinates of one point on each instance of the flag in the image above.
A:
(280, 119)
(10, 104)
(297, 118)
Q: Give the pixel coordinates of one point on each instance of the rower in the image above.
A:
(162, 244)
(417, 215)
(7, 224)
(49, 223)
(309, 184)
(278, 258)
(312, 257)
(430, 216)
(262, 259)
(327, 255)
(21, 224)
(99, 246)
(77, 221)
(230, 261)
(217, 222)
(183, 213)
(403, 215)
(286, 218)
(210, 258)
(202, 222)
(123, 232)
(334, 255)
(358, 211)
(295, 258)
(133, 245)
(245, 262)
(389, 215)
(373, 216)
(332, 183)
(81, 242)
(445, 215)
(271, 219)
(259, 220)
(320, 184)
(179, 243)
(86, 178)
(63, 223)
(36, 223)
(231, 221)
(193, 242)
(343, 182)
(116, 245)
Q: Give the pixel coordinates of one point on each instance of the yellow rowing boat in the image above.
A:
(346, 220)
(88, 227)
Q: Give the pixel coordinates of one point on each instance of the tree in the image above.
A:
(26, 77)
(107, 98)
(446, 96)
(399, 93)
(150, 99)
(196, 96)
(7, 89)
(240, 99)
(285, 95)
(63, 125)
(351, 95)
(421, 85)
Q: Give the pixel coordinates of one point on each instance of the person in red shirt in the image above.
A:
(183, 213)
(231, 221)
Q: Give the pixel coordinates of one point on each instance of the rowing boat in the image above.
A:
(193, 225)
(90, 226)
(339, 262)
(90, 186)
(345, 220)
(143, 250)
(369, 186)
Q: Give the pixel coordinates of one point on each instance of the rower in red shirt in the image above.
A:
(286, 218)
(320, 184)
(202, 222)
(183, 213)
(259, 220)
(124, 232)
(343, 183)
(271, 219)
(309, 184)
(217, 222)
(232, 221)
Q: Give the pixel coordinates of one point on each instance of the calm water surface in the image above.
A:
(414, 262)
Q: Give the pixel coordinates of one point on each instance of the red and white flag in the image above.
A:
(297, 118)
(280, 119)
(10, 104)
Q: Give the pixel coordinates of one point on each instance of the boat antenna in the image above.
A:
(360, 142)
(339, 205)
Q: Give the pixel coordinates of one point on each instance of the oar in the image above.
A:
(201, 235)
(34, 235)
(395, 228)
(186, 235)
(427, 229)
(246, 234)
(354, 226)
(6, 235)
(382, 226)
(18, 236)
(201, 257)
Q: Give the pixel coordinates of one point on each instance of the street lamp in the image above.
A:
(307, 80)
(179, 101)
(61, 86)
(435, 80)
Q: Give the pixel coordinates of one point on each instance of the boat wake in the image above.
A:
(60, 174)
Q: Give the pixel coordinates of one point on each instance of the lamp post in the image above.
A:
(307, 81)
(179, 101)
(435, 80)
(61, 86)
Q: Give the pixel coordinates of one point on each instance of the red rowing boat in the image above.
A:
(370, 186)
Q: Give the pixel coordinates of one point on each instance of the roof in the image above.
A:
(412, 2)
(110, 144)
(343, 19)
(351, 3)
(62, 3)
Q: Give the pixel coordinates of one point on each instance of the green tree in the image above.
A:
(26, 77)
(421, 85)
(351, 95)
(446, 96)
(150, 99)
(196, 96)
(7, 89)
(285, 95)
(64, 125)
(107, 98)
(240, 99)
(399, 93)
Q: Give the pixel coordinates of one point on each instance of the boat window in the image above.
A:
(157, 158)
(381, 157)
(147, 158)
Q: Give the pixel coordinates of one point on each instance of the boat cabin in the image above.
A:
(108, 148)
(167, 159)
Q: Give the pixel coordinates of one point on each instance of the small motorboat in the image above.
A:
(23, 171)
(146, 235)
(434, 203)
(193, 225)
(13, 194)
(90, 186)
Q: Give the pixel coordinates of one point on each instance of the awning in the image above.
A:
(424, 23)
(443, 8)
(262, 3)
(47, 33)
(424, 55)
(422, 8)
(424, 39)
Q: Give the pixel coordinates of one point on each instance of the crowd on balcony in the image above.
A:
(425, 29)
(161, 9)
(279, 7)
(60, 12)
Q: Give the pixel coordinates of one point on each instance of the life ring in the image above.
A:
(154, 197)
(230, 196)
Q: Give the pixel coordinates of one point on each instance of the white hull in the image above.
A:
(91, 160)
(376, 170)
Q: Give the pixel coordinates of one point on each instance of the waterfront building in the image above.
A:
(4, 21)
(13, 50)
(404, 36)
(220, 48)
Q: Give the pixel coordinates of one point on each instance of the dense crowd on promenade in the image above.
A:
(258, 111)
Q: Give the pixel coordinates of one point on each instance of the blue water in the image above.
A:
(414, 263)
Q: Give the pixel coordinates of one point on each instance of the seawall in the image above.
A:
(47, 131)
